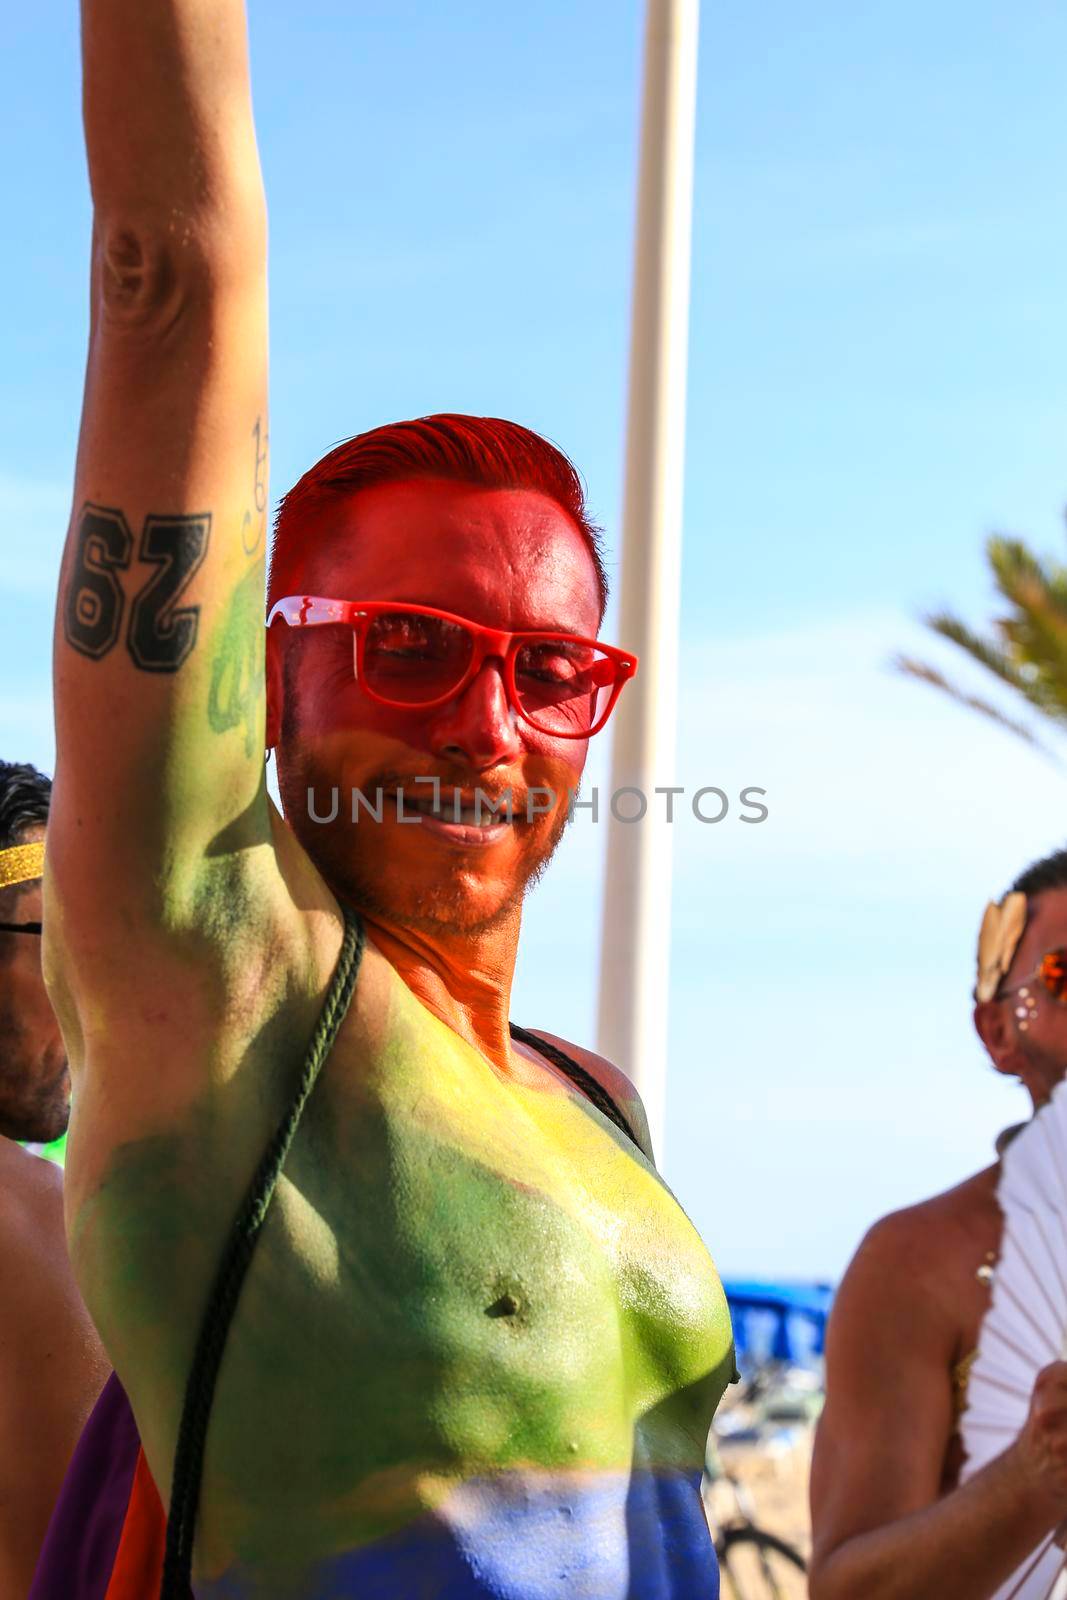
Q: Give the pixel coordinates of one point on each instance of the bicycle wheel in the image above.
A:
(754, 1565)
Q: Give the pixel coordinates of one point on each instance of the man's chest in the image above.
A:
(456, 1280)
(460, 1237)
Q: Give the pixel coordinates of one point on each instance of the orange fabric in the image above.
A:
(139, 1560)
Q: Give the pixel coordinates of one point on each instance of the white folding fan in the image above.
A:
(1026, 1325)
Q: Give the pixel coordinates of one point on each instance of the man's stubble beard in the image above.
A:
(30, 1109)
(436, 907)
(444, 908)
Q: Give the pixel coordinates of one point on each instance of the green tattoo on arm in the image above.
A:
(237, 672)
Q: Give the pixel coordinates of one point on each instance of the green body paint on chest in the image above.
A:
(459, 1278)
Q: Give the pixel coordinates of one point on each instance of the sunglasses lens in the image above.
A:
(563, 686)
(411, 659)
(1053, 972)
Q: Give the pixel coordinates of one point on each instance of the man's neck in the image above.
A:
(463, 978)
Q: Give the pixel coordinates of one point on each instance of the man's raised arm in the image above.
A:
(159, 626)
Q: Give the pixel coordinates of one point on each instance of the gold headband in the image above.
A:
(1002, 928)
(21, 863)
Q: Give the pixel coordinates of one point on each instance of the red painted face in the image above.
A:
(510, 559)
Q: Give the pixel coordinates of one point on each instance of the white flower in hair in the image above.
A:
(998, 940)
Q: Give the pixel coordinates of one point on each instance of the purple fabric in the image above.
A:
(83, 1536)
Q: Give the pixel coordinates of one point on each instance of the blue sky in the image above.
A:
(877, 368)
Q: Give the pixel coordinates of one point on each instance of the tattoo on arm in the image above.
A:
(254, 525)
(161, 634)
(238, 673)
(92, 613)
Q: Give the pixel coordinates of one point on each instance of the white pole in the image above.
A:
(635, 939)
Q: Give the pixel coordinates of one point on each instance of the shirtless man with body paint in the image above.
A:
(890, 1519)
(479, 1345)
(51, 1363)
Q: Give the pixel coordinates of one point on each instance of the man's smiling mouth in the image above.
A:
(465, 816)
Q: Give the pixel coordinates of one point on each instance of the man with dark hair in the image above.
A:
(891, 1520)
(399, 1299)
(51, 1364)
(34, 1078)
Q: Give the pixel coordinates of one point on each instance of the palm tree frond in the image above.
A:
(1022, 676)
(1024, 648)
(937, 680)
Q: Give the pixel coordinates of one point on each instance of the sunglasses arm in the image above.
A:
(1027, 983)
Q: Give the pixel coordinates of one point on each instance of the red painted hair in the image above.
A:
(486, 451)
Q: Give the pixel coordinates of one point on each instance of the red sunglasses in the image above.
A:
(408, 656)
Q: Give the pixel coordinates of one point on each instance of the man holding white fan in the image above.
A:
(895, 1513)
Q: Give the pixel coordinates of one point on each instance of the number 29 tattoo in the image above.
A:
(160, 633)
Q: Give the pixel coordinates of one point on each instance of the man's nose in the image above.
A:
(478, 724)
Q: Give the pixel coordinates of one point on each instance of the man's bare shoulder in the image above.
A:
(51, 1364)
(33, 1244)
(933, 1231)
(609, 1076)
(31, 1196)
(915, 1267)
(611, 1079)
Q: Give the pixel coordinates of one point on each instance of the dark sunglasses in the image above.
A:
(21, 927)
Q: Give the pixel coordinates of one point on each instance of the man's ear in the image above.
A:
(994, 1027)
(997, 1034)
(275, 686)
